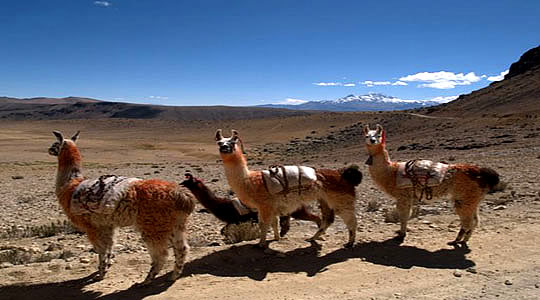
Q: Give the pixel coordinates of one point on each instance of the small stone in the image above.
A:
(69, 266)
(508, 282)
(457, 274)
(472, 270)
(81, 247)
(5, 265)
(537, 285)
(16, 177)
(499, 207)
(84, 260)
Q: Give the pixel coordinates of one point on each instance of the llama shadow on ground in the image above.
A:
(246, 260)
(75, 289)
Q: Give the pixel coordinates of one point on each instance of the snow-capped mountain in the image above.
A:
(369, 102)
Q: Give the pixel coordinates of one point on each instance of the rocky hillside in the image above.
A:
(518, 93)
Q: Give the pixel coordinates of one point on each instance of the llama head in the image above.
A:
(57, 146)
(228, 145)
(190, 181)
(374, 137)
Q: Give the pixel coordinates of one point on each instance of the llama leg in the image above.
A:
(403, 207)
(265, 219)
(102, 240)
(275, 228)
(304, 214)
(284, 224)
(349, 218)
(468, 215)
(180, 246)
(158, 252)
(328, 217)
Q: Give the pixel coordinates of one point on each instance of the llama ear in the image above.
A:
(219, 136)
(366, 129)
(379, 129)
(75, 137)
(234, 134)
(59, 136)
(383, 137)
(188, 176)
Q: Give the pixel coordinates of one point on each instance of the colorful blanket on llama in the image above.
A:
(420, 172)
(283, 179)
(100, 195)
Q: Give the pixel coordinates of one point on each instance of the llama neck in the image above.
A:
(381, 166)
(205, 196)
(69, 166)
(236, 170)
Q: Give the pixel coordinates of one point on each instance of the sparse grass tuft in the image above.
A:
(52, 229)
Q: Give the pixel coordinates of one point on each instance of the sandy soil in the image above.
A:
(501, 262)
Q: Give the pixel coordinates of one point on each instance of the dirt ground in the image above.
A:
(42, 258)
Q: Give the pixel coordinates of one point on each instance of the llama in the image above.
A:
(234, 212)
(158, 209)
(284, 189)
(410, 182)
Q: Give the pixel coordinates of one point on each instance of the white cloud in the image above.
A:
(444, 99)
(102, 3)
(349, 84)
(158, 97)
(498, 77)
(292, 101)
(400, 83)
(442, 79)
(370, 83)
(328, 83)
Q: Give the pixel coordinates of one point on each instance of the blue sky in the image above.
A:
(205, 52)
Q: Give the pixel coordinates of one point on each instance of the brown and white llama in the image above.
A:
(284, 189)
(158, 209)
(232, 211)
(409, 182)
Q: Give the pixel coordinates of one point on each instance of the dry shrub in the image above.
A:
(235, 233)
(373, 205)
(47, 230)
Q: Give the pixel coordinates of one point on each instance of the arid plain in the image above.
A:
(52, 262)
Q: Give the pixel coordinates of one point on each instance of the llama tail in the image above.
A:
(485, 177)
(344, 178)
(352, 175)
(185, 201)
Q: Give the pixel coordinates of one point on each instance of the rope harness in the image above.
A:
(419, 181)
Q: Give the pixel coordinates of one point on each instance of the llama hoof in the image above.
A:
(453, 243)
(174, 276)
(261, 246)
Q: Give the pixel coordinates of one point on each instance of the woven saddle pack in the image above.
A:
(284, 179)
(420, 172)
(100, 195)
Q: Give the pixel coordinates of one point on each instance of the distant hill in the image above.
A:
(369, 102)
(44, 100)
(518, 93)
(85, 108)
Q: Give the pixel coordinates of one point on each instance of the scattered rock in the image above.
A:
(16, 177)
(6, 265)
(508, 282)
(499, 207)
(84, 260)
(472, 270)
(457, 274)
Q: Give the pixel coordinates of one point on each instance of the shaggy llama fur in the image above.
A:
(158, 209)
